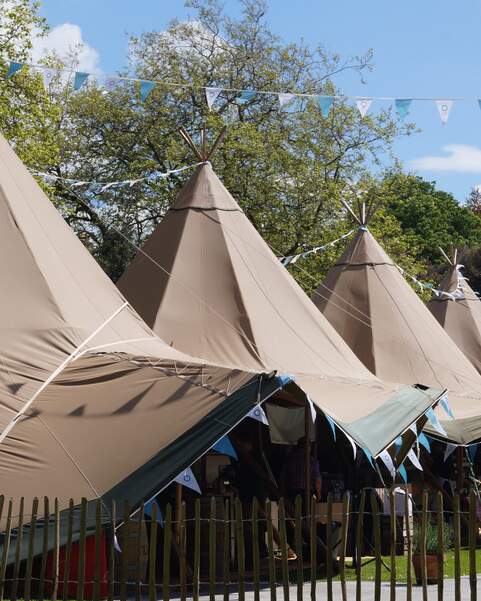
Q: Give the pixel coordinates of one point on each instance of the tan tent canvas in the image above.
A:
(89, 395)
(369, 303)
(208, 284)
(459, 313)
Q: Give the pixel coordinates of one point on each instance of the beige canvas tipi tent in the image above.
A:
(208, 284)
(367, 300)
(458, 310)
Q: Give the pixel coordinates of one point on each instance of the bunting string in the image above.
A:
(288, 260)
(104, 186)
(402, 106)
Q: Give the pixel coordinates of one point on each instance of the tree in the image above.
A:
(287, 167)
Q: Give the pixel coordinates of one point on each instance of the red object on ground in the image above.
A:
(73, 574)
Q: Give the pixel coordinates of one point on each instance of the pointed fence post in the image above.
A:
(227, 550)
(153, 554)
(125, 551)
(393, 525)
(111, 574)
(457, 549)
(240, 549)
(342, 554)
(167, 553)
(16, 570)
(31, 548)
(255, 549)
(298, 538)
(329, 551)
(283, 540)
(377, 546)
(424, 525)
(409, 545)
(440, 537)
(81, 550)
(56, 550)
(68, 550)
(140, 566)
(196, 574)
(359, 544)
(183, 552)
(270, 551)
(6, 548)
(43, 567)
(472, 545)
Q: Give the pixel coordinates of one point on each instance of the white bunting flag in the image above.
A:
(48, 75)
(116, 544)
(211, 95)
(444, 108)
(353, 444)
(363, 105)
(414, 460)
(450, 448)
(313, 410)
(387, 460)
(284, 99)
(187, 478)
(414, 429)
(258, 414)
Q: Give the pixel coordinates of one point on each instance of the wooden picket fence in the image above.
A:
(188, 552)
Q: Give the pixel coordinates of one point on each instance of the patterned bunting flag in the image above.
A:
(388, 462)
(258, 414)
(187, 478)
(414, 460)
(145, 88)
(48, 75)
(211, 95)
(402, 106)
(13, 68)
(444, 109)
(325, 102)
(363, 105)
(79, 80)
(433, 419)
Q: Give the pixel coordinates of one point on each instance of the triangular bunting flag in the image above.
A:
(224, 447)
(402, 472)
(159, 518)
(332, 425)
(313, 410)
(246, 95)
(258, 414)
(79, 80)
(284, 98)
(284, 379)
(353, 444)
(145, 88)
(369, 456)
(14, 68)
(187, 478)
(363, 105)
(211, 95)
(402, 106)
(398, 443)
(423, 440)
(325, 102)
(116, 544)
(110, 84)
(414, 429)
(445, 405)
(414, 460)
(388, 462)
(444, 108)
(450, 448)
(48, 75)
(432, 417)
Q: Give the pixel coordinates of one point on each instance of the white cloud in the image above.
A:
(461, 158)
(63, 40)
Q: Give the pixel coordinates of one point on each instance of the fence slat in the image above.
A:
(409, 545)
(125, 553)
(183, 553)
(227, 550)
(440, 537)
(98, 535)
(472, 545)
(424, 525)
(359, 544)
(240, 549)
(313, 542)
(18, 557)
(298, 538)
(283, 541)
(457, 547)
(153, 553)
(392, 592)
(43, 567)
(255, 549)
(6, 545)
(111, 574)
(377, 546)
(140, 564)
(196, 574)
(68, 550)
(329, 552)
(343, 544)
(166, 553)
(270, 551)
(31, 539)
(212, 549)
(56, 550)
(81, 550)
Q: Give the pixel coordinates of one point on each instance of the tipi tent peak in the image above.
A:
(202, 152)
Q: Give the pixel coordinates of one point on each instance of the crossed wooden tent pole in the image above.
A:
(202, 152)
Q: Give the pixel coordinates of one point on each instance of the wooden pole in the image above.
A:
(472, 545)
(56, 551)
(298, 538)
(178, 510)
(359, 541)
(459, 468)
(392, 501)
(240, 549)
(270, 550)
(255, 549)
(6, 545)
(227, 550)
(196, 574)
(166, 554)
(440, 528)
(329, 551)
(68, 551)
(283, 537)
(81, 550)
(153, 555)
(342, 554)
(212, 549)
(43, 567)
(424, 525)
(409, 544)
(31, 539)
(111, 573)
(457, 549)
(16, 571)
(377, 547)
(313, 541)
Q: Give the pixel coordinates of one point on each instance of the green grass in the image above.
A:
(368, 571)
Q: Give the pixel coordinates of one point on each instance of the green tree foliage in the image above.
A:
(287, 167)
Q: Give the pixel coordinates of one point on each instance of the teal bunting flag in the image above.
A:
(13, 68)
(246, 95)
(331, 423)
(79, 80)
(436, 424)
(325, 102)
(148, 511)
(145, 88)
(369, 456)
(402, 472)
(224, 447)
(423, 440)
(398, 443)
(402, 106)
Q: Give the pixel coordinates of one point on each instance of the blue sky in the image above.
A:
(421, 49)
